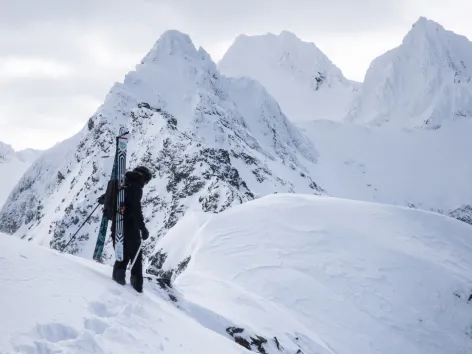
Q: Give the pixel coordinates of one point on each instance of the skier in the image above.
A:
(134, 228)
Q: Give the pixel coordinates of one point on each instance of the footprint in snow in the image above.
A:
(56, 332)
(96, 325)
(101, 310)
(47, 338)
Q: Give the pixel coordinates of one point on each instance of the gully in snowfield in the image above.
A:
(133, 228)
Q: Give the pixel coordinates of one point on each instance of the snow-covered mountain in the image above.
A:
(423, 83)
(300, 76)
(12, 166)
(284, 274)
(211, 142)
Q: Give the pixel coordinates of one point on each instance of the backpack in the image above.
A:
(109, 198)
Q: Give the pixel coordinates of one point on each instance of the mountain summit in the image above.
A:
(299, 75)
(423, 83)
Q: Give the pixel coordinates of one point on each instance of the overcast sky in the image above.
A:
(58, 58)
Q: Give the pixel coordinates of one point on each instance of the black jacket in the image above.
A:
(133, 220)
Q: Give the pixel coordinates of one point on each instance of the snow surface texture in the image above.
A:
(420, 84)
(282, 274)
(425, 169)
(13, 164)
(211, 142)
(300, 76)
(53, 303)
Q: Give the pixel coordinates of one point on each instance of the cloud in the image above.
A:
(58, 59)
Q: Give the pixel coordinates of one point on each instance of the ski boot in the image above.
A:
(119, 274)
(137, 283)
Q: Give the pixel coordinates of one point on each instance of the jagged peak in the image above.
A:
(172, 43)
(289, 35)
(425, 30)
(286, 48)
(424, 27)
(425, 22)
(284, 38)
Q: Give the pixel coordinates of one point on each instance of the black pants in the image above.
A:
(131, 246)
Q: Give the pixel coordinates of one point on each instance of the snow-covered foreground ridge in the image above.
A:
(341, 276)
(281, 274)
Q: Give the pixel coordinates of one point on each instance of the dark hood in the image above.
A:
(134, 177)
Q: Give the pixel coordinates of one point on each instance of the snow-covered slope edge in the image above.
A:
(326, 275)
(54, 303)
(300, 76)
(212, 142)
(423, 83)
(424, 169)
(13, 164)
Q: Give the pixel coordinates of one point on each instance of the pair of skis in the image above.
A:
(118, 176)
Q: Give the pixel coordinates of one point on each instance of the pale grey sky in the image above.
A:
(58, 59)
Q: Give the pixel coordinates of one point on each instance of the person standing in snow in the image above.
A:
(134, 229)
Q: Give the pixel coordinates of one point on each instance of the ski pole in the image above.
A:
(136, 257)
(73, 237)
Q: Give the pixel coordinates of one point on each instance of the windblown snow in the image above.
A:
(303, 80)
(13, 164)
(423, 83)
(282, 274)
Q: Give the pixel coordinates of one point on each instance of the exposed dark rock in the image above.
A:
(60, 176)
(464, 213)
(234, 330)
(279, 347)
(90, 124)
(249, 342)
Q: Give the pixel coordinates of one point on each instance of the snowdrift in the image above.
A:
(326, 275)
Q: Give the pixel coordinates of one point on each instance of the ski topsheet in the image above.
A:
(122, 144)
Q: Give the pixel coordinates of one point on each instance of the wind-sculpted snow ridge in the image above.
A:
(423, 83)
(211, 142)
(300, 76)
(327, 275)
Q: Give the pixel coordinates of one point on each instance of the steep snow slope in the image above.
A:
(426, 169)
(304, 81)
(422, 83)
(211, 141)
(12, 166)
